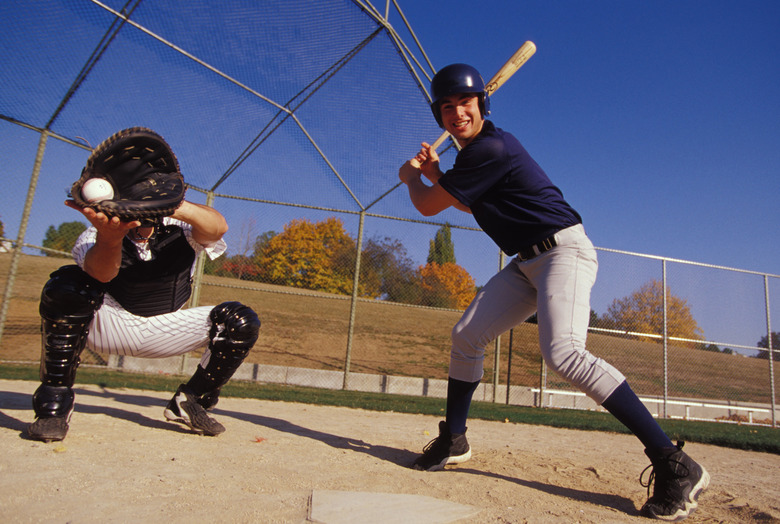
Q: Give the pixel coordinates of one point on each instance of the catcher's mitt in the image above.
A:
(143, 173)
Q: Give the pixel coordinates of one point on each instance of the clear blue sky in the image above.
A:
(660, 120)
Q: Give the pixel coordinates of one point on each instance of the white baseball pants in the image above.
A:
(115, 330)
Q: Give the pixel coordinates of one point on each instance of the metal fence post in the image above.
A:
(509, 365)
(197, 277)
(770, 352)
(497, 353)
(353, 305)
(665, 339)
(9, 285)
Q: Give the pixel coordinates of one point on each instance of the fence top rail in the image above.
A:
(680, 261)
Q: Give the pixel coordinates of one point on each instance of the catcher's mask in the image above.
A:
(455, 79)
(155, 224)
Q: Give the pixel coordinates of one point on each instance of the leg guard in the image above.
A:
(68, 303)
(234, 331)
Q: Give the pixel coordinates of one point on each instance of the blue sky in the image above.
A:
(660, 121)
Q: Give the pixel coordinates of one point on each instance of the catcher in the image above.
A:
(131, 278)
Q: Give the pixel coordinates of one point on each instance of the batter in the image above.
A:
(552, 273)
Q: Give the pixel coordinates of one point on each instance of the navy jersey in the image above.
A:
(510, 196)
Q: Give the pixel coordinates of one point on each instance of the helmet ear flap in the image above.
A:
(436, 110)
(484, 104)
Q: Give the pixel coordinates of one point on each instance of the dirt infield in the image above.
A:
(122, 462)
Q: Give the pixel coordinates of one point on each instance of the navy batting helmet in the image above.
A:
(454, 79)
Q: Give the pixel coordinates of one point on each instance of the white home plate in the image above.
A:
(353, 507)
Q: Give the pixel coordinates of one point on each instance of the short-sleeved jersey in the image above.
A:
(510, 196)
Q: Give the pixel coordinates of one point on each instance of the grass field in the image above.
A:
(310, 330)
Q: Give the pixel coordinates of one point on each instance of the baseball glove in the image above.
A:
(143, 173)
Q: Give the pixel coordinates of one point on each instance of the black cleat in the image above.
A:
(184, 408)
(678, 483)
(447, 448)
(49, 429)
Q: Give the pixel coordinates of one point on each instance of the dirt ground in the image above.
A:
(122, 462)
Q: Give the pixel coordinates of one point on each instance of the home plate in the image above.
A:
(353, 507)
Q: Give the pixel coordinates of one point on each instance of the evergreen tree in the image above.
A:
(62, 238)
(442, 250)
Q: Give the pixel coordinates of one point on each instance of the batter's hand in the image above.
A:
(409, 172)
(428, 161)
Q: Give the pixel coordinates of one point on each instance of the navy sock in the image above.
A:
(629, 410)
(459, 395)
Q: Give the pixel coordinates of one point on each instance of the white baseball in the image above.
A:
(97, 190)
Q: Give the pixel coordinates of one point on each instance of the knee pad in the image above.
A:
(240, 327)
(70, 295)
(68, 303)
(234, 331)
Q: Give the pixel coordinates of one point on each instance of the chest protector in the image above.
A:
(160, 285)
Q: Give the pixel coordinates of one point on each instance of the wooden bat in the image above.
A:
(511, 66)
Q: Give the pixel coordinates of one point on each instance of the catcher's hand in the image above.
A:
(143, 173)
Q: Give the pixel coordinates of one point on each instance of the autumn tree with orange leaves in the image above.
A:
(447, 285)
(642, 312)
(306, 255)
(321, 256)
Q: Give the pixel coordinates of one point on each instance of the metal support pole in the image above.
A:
(665, 339)
(771, 351)
(197, 278)
(9, 285)
(353, 306)
(497, 352)
(509, 365)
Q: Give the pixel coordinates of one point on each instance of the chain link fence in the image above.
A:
(297, 143)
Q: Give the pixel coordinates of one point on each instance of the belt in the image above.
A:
(537, 249)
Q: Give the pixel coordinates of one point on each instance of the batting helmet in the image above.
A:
(454, 79)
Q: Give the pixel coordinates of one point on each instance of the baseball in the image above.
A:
(97, 190)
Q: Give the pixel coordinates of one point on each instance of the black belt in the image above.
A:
(537, 249)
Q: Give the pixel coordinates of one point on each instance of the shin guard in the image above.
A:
(68, 304)
(234, 331)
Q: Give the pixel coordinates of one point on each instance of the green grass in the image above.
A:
(753, 438)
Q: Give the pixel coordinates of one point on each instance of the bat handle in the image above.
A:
(440, 140)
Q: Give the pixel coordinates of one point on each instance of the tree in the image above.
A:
(306, 255)
(387, 272)
(62, 238)
(442, 250)
(237, 266)
(642, 312)
(447, 285)
(764, 343)
(241, 265)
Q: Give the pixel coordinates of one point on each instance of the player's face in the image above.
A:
(141, 234)
(461, 116)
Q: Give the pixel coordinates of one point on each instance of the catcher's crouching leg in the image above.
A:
(68, 304)
(234, 330)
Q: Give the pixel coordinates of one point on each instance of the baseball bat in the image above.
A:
(509, 68)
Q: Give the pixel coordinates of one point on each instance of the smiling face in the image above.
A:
(141, 234)
(461, 116)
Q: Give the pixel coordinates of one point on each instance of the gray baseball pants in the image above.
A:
(556, 285)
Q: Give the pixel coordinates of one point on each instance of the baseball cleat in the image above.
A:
(678, 483)
(49, 429)
(184, 408)
(447, 448)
